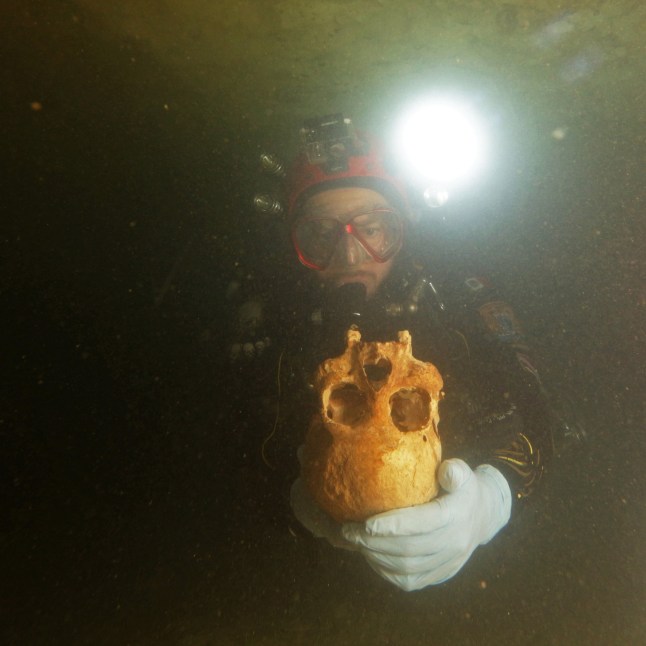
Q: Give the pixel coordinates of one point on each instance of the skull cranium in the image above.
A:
(373, 445)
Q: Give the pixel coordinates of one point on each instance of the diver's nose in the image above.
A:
(351, 250)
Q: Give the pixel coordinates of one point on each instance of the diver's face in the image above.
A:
(368, 226)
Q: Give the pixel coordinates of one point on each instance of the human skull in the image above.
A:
(373, 445)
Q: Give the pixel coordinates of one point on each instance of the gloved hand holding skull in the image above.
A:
(425, 544)
(373, 487)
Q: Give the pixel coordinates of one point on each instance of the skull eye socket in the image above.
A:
(347, 405)
(410, 409)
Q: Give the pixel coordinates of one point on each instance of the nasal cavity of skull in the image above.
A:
(347, 405)
(378, 372)
(410, 409)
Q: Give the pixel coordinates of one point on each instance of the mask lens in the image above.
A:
(379, 232)
(316, 240)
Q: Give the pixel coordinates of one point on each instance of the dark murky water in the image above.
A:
(123, 522)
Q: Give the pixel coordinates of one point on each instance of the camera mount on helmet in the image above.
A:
(335, 155)
(329, 142)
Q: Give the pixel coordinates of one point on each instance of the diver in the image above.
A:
(357, 261)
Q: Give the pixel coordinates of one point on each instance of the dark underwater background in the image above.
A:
(126, 186)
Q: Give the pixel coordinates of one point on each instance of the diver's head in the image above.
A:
(349, 235)
(347, 210)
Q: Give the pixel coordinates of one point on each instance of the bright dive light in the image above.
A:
(441, 143)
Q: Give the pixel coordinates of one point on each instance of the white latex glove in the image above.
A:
(427, 544)
(313, 518)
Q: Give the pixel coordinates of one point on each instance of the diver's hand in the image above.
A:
(313, 518)
(428, 544)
